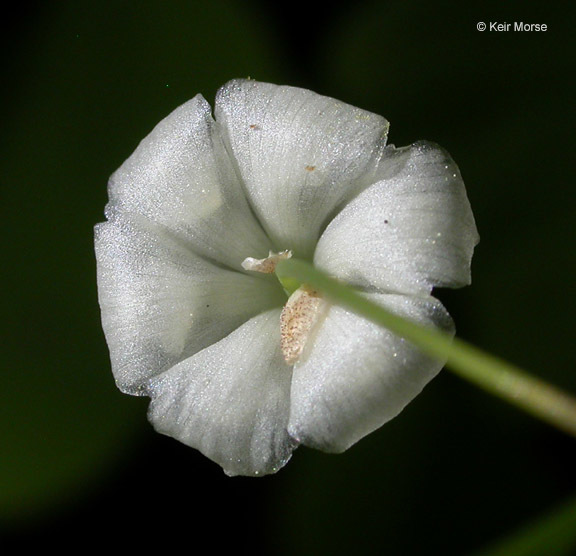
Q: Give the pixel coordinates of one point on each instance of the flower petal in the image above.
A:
(181, 177)
(231, 400)
(358, 375)
(411, 230)
(161, 303)
(300, 155)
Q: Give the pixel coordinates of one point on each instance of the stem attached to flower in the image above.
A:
(487, 371)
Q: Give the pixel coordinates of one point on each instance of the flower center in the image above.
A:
(301, 312)
(268, 266)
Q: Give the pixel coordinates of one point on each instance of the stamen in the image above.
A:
(267, 265)
(299, 315)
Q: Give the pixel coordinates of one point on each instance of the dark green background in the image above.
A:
(84, 81)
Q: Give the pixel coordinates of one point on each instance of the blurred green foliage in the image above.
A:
(86, 80)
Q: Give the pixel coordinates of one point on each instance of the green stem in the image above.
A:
(494, 375)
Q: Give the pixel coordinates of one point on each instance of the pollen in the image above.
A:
(299, 316)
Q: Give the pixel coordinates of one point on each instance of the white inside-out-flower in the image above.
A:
(237, 365)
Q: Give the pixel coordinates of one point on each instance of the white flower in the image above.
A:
(203, 204)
